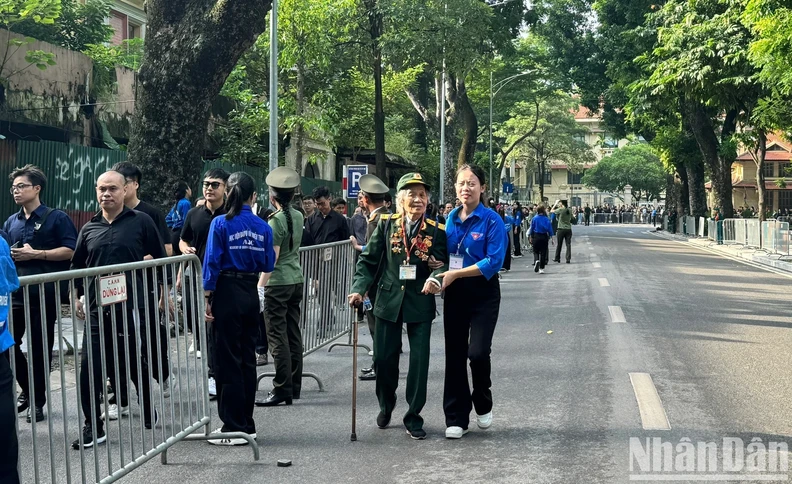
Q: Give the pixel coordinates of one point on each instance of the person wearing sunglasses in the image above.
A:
(193, 241)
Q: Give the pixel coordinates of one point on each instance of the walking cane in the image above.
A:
(353, 437)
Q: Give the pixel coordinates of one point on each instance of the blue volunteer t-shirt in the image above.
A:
(480, 239)
(9, 282)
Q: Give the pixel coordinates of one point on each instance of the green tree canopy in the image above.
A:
(636, 165)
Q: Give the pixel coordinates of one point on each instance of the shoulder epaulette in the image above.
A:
(390, 216)
(438, 225)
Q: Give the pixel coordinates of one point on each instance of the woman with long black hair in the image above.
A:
(178, 214)
(284, 290)
(477, 248)
(238, 249)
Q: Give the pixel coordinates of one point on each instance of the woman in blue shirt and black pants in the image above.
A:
(239, 248)
(9, 449)
(476, 248)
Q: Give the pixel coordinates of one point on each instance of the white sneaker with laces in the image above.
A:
(455, 432)
(212, 387)
(111, 413)
(484, 421)
(541, 271)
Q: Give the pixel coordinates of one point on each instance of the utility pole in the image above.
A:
(273, 95)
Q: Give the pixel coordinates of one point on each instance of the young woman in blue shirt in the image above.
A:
(178, 214)
(477, 248)
(539, 235)
(239, 247)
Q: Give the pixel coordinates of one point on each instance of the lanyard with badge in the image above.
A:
(457, 261)
(407, 271)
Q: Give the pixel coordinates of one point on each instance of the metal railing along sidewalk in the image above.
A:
(326, 315)
(125, 340)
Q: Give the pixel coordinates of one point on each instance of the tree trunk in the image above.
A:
(375, 30)
(718, 161)
(190, 49)
(683, 204)
(421, 129)
(760, 177)
(299, 128)
(697, 193)
(467, 150)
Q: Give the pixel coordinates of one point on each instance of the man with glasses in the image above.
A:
(42, 240)
(194, 236)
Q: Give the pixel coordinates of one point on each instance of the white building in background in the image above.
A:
(128, 19)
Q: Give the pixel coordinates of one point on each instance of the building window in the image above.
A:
(134, 31)
(609, 142)
(548, 177)
(784, 169)
(118, 22)
(574, 178)
(785, 199)
(767, 169)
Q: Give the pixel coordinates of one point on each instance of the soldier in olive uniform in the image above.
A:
(399, 249)
(374, 192)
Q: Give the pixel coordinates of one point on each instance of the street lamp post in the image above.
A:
(500, 85)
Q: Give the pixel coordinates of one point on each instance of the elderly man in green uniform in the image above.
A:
(564, 216)
(401, 246)
(373, 192)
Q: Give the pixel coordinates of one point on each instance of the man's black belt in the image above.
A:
(240, 275)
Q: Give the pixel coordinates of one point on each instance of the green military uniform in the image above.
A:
(399, 300)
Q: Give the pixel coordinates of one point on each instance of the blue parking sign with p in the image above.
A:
(354, 173)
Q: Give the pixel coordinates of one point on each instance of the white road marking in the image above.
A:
(596, 265)
(616, 314)
(630, 232)
(604, 282)
(653, 415)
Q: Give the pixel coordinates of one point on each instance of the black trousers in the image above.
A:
(236, 325)
(564, 235)
(9, 450)
(587, 218)
(540, 250)
(36, 349)
(471, 309)
(91, 368)
(192, 320)
(285, 338)
(159, 353)
(262, 345)
(517, 248)
(508, 258)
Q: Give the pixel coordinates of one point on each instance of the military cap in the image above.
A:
(411, 179)
(373, 185)
(284, 178)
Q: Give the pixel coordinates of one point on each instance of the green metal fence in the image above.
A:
(72, 170)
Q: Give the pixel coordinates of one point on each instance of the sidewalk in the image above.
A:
(749, 254)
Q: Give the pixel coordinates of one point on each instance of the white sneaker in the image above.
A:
(541, 271)
(226, 441)
(165, 387)
(484, 421)
(455, 432)
(192, 348)
(198, 354)
(111, 413)
(212, 387)
(371, 353)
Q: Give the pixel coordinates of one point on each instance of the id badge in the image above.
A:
(456, 262)
(408, 273)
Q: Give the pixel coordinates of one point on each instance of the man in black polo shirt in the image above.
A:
(194, 236)
(42, 240)
(133, 177)
(115, 235)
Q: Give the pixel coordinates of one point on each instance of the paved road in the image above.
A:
(713, 336)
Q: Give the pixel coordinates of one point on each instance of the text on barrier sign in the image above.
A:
(112, 289)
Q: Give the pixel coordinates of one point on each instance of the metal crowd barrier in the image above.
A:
(96, 360)
(690, 226)
(326, 315)
(753, 233)
(776, 238)
(621, 218)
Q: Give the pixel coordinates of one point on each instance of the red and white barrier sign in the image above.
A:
(112, 289)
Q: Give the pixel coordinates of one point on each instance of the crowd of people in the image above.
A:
(408, 251)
